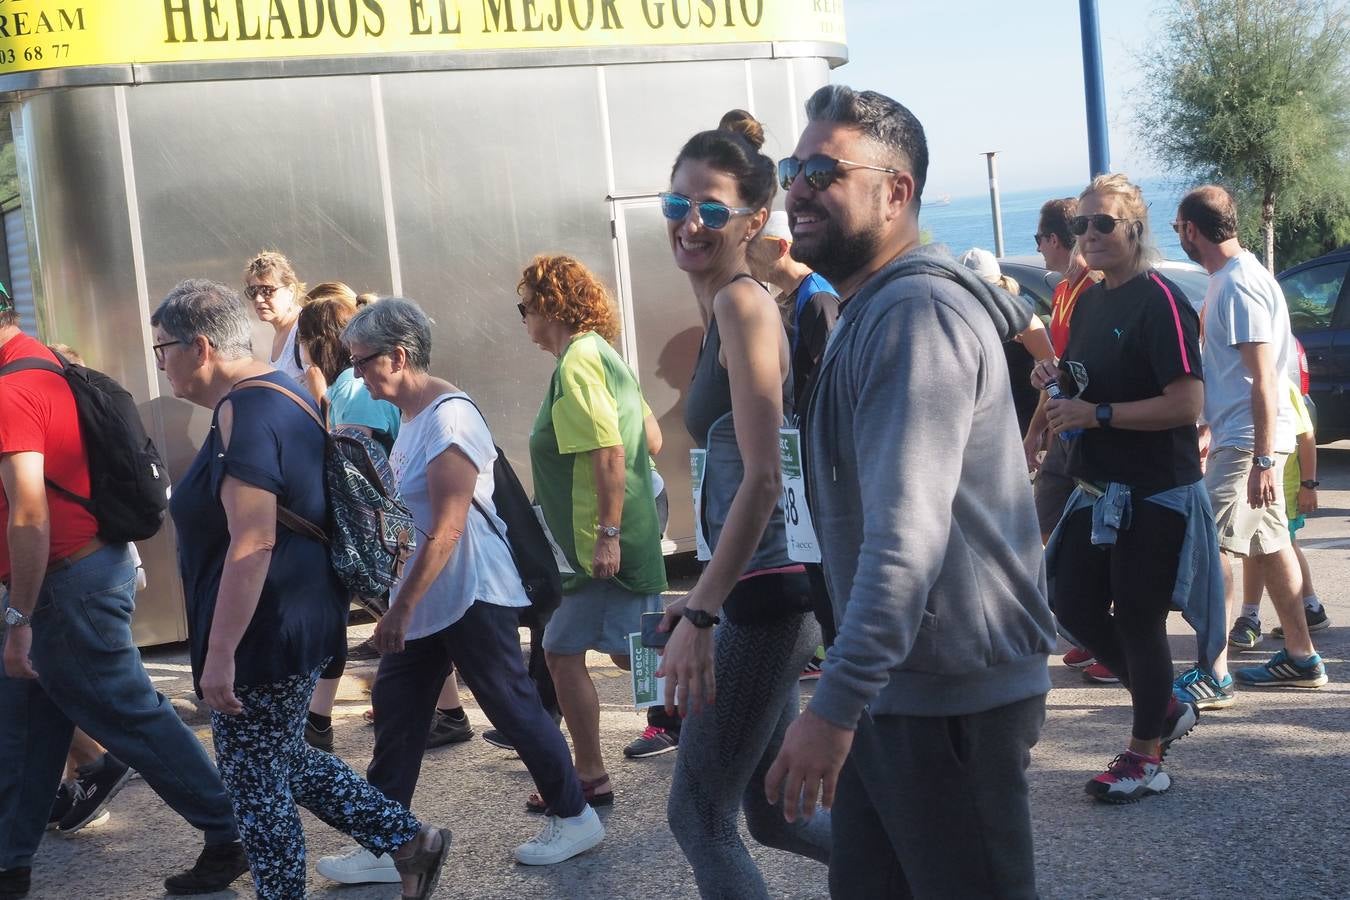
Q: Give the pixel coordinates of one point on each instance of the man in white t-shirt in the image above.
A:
(1249, 427)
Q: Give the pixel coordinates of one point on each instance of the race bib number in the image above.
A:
(698, 460)
(801, 533)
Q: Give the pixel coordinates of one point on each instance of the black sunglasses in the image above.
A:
(711, 213)
(520, 307)
(820, 170)
(1101, 223)
(359, 363)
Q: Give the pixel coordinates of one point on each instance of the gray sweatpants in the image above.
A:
(936, 807)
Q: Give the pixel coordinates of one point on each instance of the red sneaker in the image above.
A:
(1078, 658)
(1100, 674)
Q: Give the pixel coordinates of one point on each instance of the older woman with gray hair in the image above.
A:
(265, 610)
(459, 597)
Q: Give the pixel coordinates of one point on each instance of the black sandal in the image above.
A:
(425, 863)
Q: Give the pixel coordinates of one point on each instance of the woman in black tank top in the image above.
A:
(721, 190)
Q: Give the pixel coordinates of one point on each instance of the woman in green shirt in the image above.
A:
(593, 479)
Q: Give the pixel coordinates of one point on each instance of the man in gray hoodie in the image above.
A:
(934, 692)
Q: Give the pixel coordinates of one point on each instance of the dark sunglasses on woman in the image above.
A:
(711, 213)
(820, 170)
(1101, 223)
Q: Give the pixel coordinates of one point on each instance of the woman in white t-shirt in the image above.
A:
(271, 285)
(459, 598)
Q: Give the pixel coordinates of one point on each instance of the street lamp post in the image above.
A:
(989, 156)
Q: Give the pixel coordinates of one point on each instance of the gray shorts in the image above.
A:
(1243, 530)
(600, 617)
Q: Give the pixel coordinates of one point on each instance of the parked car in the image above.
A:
(1311, 282)
(1038, 284)
(1319, 313)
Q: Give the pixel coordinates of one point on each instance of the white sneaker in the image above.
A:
(357, 865)
(562, 839)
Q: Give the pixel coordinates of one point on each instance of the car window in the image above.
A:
(1311, 295)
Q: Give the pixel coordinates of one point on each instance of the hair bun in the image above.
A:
(747, 126)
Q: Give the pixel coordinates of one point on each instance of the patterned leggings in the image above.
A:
(726, 750)
(268, 768)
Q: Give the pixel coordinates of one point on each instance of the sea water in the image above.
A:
(967, 222)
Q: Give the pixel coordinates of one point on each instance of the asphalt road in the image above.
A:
(1257, 807)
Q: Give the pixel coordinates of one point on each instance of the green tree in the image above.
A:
(1253, 94)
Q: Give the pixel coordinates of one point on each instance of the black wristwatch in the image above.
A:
(701, 618)
(1104, 415)
(1310, 483)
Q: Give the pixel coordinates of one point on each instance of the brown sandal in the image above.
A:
(590, 791)
(424, 863)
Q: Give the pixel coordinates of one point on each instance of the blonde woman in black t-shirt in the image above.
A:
(1132, 390)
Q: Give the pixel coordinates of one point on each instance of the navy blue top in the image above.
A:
(301, 616)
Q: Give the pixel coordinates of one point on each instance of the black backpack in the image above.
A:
(524, 535)
(129, 486)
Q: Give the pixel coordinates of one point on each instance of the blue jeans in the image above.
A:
(90, 675)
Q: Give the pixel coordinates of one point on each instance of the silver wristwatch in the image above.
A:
(1264, 462)
(16, 619)
(609, 531)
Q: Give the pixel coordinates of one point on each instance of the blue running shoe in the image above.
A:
(1197, 686)
(1283, 671)
(1245, 633)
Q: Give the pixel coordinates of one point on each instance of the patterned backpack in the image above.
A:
(370, 534)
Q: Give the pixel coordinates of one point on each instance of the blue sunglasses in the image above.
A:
(714, 215)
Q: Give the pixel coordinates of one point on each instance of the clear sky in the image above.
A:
(1001, 75)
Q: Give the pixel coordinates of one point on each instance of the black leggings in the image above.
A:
(1138, 573)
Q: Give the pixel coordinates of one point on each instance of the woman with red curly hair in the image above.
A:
(593, 479)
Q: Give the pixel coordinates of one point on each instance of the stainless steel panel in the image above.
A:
(808, 75)
(489, 169)
(669, 331)
(774, 96)
(87, 287)
(224, 169)
(305, 67)
(654, 109)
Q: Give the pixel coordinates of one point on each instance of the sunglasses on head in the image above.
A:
(1101, 223)
(711, 213)
(266, 290)
(820, 170)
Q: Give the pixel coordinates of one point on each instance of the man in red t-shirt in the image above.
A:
(69, 657)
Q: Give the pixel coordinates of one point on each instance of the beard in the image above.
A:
(1192, 252)
(838, 256)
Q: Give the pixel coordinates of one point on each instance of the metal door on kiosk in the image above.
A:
(661, 339)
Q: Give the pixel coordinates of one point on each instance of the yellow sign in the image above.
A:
(51, 34)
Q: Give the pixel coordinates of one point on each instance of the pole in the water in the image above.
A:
(1094, 90)
(994, 202)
